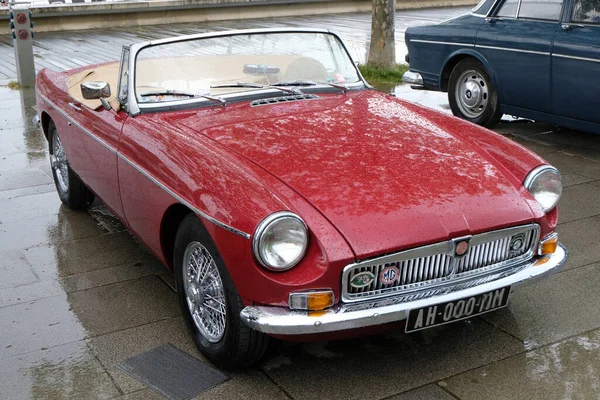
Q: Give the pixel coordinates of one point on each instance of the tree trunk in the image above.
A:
(382, 50)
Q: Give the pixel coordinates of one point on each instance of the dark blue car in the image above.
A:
(537, 59)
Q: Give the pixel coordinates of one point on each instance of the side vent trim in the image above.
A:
(283, 99)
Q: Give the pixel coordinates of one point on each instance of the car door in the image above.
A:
(517, 43)
(94, 139)
(576, 63)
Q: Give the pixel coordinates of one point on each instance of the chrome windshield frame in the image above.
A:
(134, 108)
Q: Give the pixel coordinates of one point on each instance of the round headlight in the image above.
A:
(280, 241)
(545, 185)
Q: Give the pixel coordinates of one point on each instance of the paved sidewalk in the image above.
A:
(78, 295)
(63, 50)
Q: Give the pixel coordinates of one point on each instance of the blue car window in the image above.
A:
(483, 7)
(508, 9)
(541, 9)
(587, 11)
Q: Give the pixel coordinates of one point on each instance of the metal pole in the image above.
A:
(21, 27)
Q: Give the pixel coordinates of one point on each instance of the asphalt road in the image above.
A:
(78, 295)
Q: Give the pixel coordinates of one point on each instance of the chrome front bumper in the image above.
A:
(283, 321)
(413, 78)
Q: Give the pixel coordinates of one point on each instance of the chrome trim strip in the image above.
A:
(532, 176)
(145, 173)
(443, 248)
(576, 58)
(283, 321)
(543, 53)
(439, 42)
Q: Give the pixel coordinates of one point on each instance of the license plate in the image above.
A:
(452, 311)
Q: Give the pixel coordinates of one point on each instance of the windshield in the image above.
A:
(240, 63)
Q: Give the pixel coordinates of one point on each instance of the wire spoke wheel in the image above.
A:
(472, 94)
(205, 295)
(59, 164)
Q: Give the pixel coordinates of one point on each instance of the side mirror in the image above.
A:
(95, 90)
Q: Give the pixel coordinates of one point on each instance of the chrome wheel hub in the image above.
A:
(60, 166)
(472, 94)
(204, 292)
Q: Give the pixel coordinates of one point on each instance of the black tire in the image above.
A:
(239, 346)
(71, 190)
(484, 97)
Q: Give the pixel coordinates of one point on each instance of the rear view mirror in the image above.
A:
(95, 90)
(261, 69)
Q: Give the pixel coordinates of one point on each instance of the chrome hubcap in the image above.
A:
(472, 94)
(204, 292)
(58, 161)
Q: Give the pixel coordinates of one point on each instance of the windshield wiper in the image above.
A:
(184, 94)
(339, 86)
(256, 86)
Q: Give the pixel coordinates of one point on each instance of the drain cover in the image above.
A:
(172, 372)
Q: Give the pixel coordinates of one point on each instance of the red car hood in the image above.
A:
(384, 174)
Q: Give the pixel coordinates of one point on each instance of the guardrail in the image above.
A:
(63, 17)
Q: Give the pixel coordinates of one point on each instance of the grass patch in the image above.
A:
(14, 85)
(383, 75)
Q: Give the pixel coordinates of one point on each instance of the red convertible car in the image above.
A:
(289, 198)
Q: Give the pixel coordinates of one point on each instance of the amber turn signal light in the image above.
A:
(548, 245)
(311, 301)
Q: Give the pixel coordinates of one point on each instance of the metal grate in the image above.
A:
(283, 99)
(427, 267)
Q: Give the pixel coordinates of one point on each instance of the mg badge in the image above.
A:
(389, 275)
(461, 246)
(516, 244)
(362, 280)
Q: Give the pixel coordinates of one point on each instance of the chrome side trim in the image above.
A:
(146, 174)
(283, 321)
(182, 200)
(543, 53)
(440, 42)
(576, 58)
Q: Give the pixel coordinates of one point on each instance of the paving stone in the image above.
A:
(581, 240)
(23, 178)
(385, 365)
(565, 370)
(27, 191)
(28, 207)
(429, 392)
(87, 254)
(15, 270)
(579, 201)
(47, 229)
(27, 293)
(568, 164)
(123, 305)
(575, 179)
(112, 275)
(564, 305)
(65, 372)
(44, 323)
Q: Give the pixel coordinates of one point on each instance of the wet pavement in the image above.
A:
(79, 295)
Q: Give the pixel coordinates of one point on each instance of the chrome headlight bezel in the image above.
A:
(265, 226)
(533, 178)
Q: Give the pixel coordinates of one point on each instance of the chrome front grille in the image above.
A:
(429, 267)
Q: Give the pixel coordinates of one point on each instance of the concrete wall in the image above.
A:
(99, 15)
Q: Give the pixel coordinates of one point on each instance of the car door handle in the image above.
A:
(568, 27)
(491, 20)
(74, 106)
